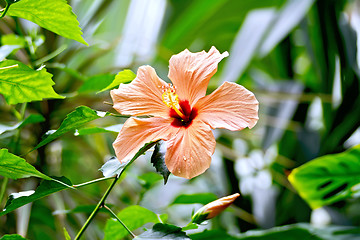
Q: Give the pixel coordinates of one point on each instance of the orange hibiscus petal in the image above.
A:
(191, 72)
(142, 96)
(137, 132)
(189, 151)
(231, 106)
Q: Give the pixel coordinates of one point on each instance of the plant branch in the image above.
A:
(118, 219)
(101, 203)
(91, 182)
(98, 206)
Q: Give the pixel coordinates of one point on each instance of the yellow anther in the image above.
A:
(171, 99)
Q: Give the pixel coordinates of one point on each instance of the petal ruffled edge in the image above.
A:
(191, 72)
(143, 96)
(189, 151)
(230, 106)
(137, 132)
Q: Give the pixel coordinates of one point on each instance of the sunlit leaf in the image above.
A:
(125, 76)
(12, 39)
(202, 198)
(73, 120)
(45, 188)
(158, 160)
(19, 83)
(55, 15)
(133, 217)
(164, 231)
(329, 178)
(15, 167)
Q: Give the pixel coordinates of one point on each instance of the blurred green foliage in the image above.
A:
(300, 58)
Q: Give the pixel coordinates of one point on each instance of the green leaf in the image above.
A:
(54, 15)
(133, 217)
(15, 167)
(86, 131)
(66, 234)
(329, 178)
(125, 76)
(12, 237)
(33, 118)
(74, 120)
(96, 83)
(299, 231)
(149, 179)
(158, 160)
(190, 226)
(19, 83)
(164, 231)
(45, 188)
(203, 198)
(212, 235)
(12, 39)
(112, 167)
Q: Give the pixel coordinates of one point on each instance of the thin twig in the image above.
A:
(123, 224)
(91, 182)
(100, 204)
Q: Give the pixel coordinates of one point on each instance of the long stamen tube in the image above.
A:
(171, 99)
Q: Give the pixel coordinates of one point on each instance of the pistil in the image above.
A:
(171, 99)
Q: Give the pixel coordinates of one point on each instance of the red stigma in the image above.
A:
(189, 113)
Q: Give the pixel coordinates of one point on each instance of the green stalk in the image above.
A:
(98, 206)
(123, 224)
(91, 182)
(101, 203)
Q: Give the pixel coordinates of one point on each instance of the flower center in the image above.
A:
(180, 110)
(171, 99)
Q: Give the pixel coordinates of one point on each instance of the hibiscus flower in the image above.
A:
(181, 114)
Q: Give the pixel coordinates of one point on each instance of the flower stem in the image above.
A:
(98, 206)
(91, 182)
(123, 224)
(101, 203)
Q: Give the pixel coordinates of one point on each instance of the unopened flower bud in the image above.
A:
(214, 208)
